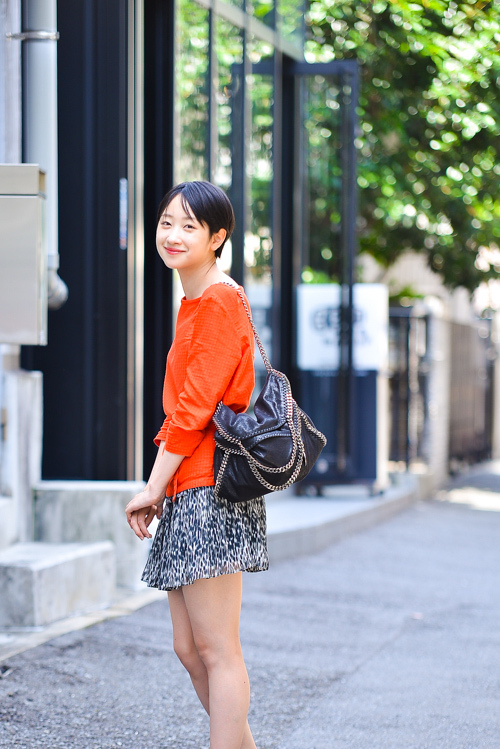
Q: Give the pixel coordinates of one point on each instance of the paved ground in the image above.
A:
(387, 640)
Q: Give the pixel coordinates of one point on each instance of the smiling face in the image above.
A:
(183, 242)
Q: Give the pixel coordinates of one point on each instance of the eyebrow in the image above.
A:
(184, 218)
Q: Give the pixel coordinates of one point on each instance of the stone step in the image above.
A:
(41, 583)
(91, 511)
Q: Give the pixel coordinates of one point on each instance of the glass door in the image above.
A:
(324, 215)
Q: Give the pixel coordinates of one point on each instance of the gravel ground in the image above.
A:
(387, 640)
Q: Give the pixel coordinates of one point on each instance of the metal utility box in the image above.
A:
(23, 255)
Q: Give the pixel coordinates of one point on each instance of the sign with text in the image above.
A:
(318, 326)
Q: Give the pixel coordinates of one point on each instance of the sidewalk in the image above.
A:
(297, 526)
(305, 525)
(385, 640)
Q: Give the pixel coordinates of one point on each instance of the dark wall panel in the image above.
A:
(85, 365)
(158, 163)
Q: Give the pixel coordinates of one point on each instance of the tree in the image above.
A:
(429, 114)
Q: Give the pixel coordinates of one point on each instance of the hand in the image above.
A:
(140, 511)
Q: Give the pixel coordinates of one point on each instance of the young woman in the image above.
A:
(202, 544)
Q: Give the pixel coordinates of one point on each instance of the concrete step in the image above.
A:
(42, 583)
(88, 512)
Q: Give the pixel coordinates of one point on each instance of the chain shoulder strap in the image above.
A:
(260, 346)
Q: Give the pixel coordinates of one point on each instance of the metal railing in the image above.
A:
(470, 419)
(408, 385)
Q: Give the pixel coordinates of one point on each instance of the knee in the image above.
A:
(187, 653)
(212, 652)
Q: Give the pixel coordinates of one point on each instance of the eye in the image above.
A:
(189, 226)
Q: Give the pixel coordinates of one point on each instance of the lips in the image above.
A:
(172, 251)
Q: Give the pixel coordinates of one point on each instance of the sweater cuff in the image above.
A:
(181, 441)
(161, 436)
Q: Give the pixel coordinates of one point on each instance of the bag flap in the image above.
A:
(269, 412)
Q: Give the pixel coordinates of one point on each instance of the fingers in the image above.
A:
(134, 524)
(140, 512)
(139, 521)
(156, 512)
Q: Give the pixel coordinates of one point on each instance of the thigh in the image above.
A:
(213, 606)
(181, 624)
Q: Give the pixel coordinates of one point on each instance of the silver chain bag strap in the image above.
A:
(266, 451)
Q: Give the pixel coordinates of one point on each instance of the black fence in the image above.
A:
(471, 389)
(408, 385)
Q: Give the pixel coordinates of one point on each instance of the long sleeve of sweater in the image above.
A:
(213, 356)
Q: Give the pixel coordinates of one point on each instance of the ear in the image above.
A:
(218, 238)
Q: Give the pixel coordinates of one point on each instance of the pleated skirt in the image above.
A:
(199, 536)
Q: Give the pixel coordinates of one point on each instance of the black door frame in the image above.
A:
(158, 178)
(293, 167)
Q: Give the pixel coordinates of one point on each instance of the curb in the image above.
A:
(297, 527)
(13, 642)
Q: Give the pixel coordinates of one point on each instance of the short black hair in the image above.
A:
(209, 204)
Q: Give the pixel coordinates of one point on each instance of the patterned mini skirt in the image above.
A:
(200, 536)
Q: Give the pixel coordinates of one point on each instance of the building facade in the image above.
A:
(117, 101)
(154, 92)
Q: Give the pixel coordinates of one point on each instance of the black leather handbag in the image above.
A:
(268, 450)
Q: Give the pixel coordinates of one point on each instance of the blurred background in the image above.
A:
(358, 142)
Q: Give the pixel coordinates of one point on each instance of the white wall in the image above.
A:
(20, 392)
(21, 453)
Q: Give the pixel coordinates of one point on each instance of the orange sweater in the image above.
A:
(211, 359)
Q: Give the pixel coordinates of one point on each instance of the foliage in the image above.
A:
(193, 109)
(321, 241)
(405, 297)
(259, 164)
(429, 126)
(192, 87)
(311, 275)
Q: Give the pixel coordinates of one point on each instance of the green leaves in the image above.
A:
(429, 125)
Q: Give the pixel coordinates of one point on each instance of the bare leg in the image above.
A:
(185, 648)
(206, 640)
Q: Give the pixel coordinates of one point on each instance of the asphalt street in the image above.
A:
(389, 639)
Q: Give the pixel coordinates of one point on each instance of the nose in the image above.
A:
(173, 236)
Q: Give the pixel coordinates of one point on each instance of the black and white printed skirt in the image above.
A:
(199, 536)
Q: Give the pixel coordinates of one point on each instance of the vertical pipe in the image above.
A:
(239, 188)
(352, 214)
(345, 310)
(135, 270)
(281, 280)
(40, 123)
(10, 84)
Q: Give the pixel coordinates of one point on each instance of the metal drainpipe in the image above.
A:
(40, 37)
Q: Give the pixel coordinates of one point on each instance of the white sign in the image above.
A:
(318, 313)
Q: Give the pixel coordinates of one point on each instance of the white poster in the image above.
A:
(318, 312)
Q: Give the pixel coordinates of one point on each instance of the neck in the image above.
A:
(196, 282)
